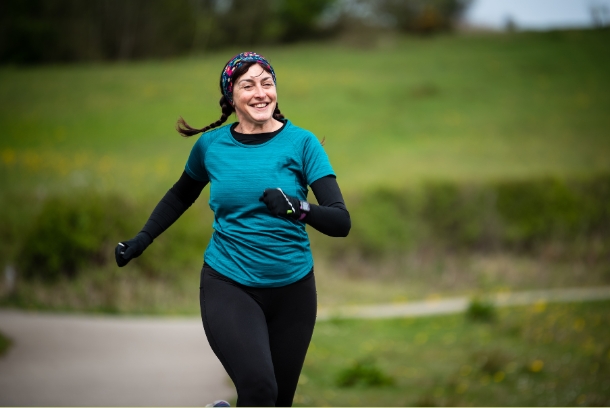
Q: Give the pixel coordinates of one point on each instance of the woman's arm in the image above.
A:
(175, 202)
(330, 216)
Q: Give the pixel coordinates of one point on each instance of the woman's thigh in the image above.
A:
(291, 325)
(236, 328)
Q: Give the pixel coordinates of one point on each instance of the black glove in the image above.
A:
(127, 250)
(281, 204)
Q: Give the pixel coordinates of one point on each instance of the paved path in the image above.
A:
(71, 360)
(68, 360)
(458, 305)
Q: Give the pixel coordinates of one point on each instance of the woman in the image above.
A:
(257, 291)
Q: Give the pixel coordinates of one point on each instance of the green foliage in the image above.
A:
(535, 211)
(383, 222)
(364, 372)
(543, 209)
(421, 16)
(299, 18)
(481, 310)
(41, 31)
(72, 233)
(491, 361)
(459, 215)
(247, 23)
(5, 344)
(521, 215)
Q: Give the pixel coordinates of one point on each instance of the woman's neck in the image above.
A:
(249, 128)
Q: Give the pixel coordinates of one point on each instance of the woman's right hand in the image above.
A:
(125, 251)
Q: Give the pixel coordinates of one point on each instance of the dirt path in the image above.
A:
(71, 360)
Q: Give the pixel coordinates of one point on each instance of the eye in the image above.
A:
(268, 84)
(247, 87)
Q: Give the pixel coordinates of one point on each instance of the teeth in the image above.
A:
(260, 105)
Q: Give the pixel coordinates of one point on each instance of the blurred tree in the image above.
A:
(510, 25)
(600, 15)
(361, 22)
(248, 23)
(420, 16)
(300, 18)
(35, 31)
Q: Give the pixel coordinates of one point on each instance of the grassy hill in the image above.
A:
(458, 108)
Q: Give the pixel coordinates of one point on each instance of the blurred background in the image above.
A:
(470, 139)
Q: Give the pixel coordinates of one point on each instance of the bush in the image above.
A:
(72, 232)
(540, 210)
(522, 215)
(460, 216)
(5, 344)
(382, 222)
(363, 372)
(481, 310)
(491, 361)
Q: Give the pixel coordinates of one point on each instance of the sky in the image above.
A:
(535, 14)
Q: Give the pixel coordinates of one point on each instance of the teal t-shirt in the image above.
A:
(249, 245)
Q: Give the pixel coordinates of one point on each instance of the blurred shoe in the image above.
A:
(219, 403)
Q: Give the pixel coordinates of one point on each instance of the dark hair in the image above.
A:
(227, 109)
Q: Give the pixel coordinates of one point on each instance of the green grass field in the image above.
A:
(539, 355)
(466, 108)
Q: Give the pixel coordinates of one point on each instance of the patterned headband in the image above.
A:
(226, 78)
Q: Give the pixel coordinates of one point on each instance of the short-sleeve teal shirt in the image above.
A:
(249, 245)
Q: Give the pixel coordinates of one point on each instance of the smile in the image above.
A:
(260, 105)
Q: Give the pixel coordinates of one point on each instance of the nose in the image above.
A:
(260, 92)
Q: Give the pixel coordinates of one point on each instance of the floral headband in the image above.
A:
(226, 78)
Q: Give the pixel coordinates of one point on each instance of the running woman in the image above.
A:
(257, 290)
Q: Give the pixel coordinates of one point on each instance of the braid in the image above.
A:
(226, 108)
(186, 130)
(277, 115)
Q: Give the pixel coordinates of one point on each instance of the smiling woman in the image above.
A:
(254, 82)
(255, 100)
(257, 289)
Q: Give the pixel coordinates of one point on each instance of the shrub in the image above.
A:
(518, 215)
(491, 361)
(460, 216)
(363, 372)
(71, 232)
(5, 344)
(384, 222)
(538, 210)
(481, 310)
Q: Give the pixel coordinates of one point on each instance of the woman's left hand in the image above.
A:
(281, 204)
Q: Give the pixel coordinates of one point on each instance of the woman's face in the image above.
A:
(254, 96)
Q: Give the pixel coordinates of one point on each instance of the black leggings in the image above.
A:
(260, 335)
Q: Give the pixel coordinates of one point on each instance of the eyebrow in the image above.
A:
(251, 80)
